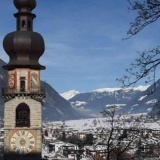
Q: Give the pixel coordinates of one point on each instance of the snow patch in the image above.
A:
(138, 114)
(60, 111)
(149, 109)
(141, 98)
(1, 76)
(79, 103)
(139, 88)
(107, 90)
(153, 101)
(70, 94)
(89, 124)
(118, 106)
(135, 105)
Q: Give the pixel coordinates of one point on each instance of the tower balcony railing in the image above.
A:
(38, 93)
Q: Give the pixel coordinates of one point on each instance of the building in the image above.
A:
(23, 95)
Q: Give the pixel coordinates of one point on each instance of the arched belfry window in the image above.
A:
(22, 115)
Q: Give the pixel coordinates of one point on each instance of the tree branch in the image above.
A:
(148, 11)
(142, 67)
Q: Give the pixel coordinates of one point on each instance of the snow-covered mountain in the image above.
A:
(70, 94)
(139, 88)
(147, 102)
(97, 100)
(139, 100)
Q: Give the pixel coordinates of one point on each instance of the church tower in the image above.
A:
(23, 95)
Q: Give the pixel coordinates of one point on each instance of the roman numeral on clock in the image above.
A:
(27, 134)
(14, 148)
(31, 142)
(31, 137)
(18, 150)
(30, 147)
(18, 134)
(23, 132)
(26, 150)
(13, 142)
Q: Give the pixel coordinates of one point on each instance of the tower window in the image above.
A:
(23, 23)
(22, 115)
(18, 24)
(29, 24)
(22, 84)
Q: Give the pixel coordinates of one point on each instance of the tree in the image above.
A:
(119, 138)
(46, 133)
(128, 140)
(89, 139)
(148, 11)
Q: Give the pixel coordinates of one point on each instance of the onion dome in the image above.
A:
(24, 47)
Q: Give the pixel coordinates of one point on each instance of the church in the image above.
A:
(23, 95)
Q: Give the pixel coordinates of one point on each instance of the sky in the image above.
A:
(84, 46)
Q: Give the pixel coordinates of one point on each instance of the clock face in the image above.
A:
(22, 142)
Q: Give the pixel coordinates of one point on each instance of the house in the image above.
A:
(96, 151)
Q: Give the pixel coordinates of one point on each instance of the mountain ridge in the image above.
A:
(141, 99)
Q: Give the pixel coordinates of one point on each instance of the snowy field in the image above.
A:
(93, 123)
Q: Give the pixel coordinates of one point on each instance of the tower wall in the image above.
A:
(35, 126)
(10, 109)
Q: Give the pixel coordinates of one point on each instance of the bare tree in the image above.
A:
(143, 67)
(148, 11)
(128, 140)
(119, 138)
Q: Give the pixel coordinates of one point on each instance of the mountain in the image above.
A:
(54, 106)
(93, 102)
(140, 100)
(146, 102)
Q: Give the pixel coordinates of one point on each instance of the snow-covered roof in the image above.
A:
(96, 147)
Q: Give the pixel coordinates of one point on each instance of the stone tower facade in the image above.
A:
(23, 95)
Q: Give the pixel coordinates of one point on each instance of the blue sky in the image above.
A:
(83, 39)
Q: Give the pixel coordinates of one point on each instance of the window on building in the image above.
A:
(22, 115)
(29, 24)
(22, 84)
(18, 23)
(23, 23)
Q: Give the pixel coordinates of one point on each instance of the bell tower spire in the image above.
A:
(23, 95)
(24, 15)
(23, 46)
